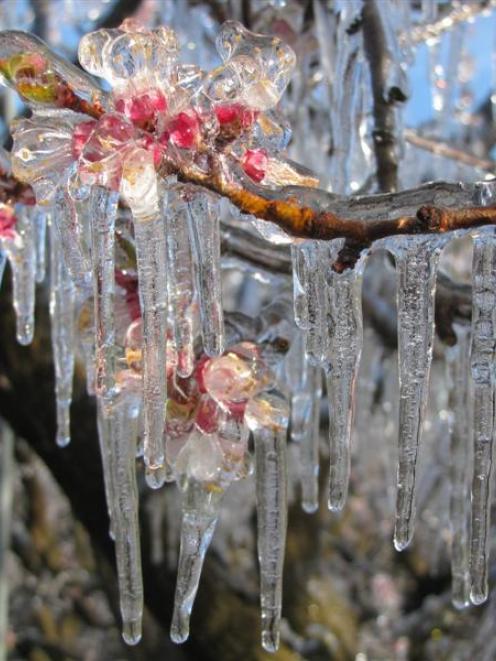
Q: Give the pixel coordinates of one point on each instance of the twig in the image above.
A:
(384, 99)
(459, 14)
(442, 149)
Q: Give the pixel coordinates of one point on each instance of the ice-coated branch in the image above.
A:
(439, 148)
(387, 90)
(457, 14)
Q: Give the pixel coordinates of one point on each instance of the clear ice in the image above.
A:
(482, 365)
(62, 301)
(343, 351)
(203, 218)
(267, 419)
(460, 396)
(200, 510)
(416, 264)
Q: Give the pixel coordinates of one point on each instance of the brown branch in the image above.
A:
(384, 98)
(305, 222)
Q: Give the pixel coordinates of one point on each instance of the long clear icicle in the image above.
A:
(142, 194)
(203, 219)
(458, 363)
(200, 511)
(180, 283)
(267, 418)
(103, 210)
(416, 264)
(6, 486)
(62, 298)
(119, 443)
(344, 347)
(482, 363)
(22, 257)
(305, 419)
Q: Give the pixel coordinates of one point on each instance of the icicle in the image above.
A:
(180, 282)
(104, 440)
(305, 419)
(22, 257)
(62, 323)
(140, 189)
(345, 93)
(267, 417)
(40, 221)
(458, 360)
(103, 210)
(482, 362)
(6, 485)
(205, 241)
(72, 210)
(309, 278)
(344, 347)
(299, 287)
(200, 512)
(416, 264)
(124, 494)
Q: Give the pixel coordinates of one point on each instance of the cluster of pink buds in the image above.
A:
(157, 104)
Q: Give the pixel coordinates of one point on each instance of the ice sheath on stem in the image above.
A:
(416, 264)
(63, 335)
(482, 364)
(200, 510)
(458, 367)
(343, 352)
(140, 189)
(267, 418)
(203, 225)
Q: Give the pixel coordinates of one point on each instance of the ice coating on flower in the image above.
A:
(129, 52)
(43, 150)
(261, 64)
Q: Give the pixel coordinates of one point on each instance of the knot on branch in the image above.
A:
(433, 219)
